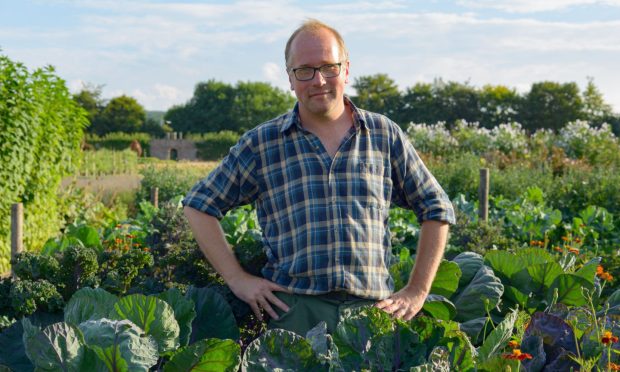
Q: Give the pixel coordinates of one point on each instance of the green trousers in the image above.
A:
(306, 311)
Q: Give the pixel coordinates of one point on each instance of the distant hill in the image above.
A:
(158, 116)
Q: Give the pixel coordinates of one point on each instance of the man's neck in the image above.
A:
(320, 123)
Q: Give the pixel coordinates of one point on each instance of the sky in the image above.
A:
(157, 51)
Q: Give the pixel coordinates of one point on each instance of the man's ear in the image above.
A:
(346, 72)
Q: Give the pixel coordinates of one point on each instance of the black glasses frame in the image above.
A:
(315, 69)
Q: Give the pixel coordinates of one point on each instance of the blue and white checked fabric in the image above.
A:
(324, 220)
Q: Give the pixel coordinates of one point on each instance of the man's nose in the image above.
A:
(318, 78)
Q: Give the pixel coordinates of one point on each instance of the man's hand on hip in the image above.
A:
(258, 293)
(404, 304)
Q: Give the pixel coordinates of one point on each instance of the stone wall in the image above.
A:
(166, 148)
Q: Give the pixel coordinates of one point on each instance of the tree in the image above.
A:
(456, 101)
(551, 105)
(595, 109)
(89, 98)
(121, 114)
(498, 104)
(419, 105)
(207, 111)
(218, 106)
(257, 102)
(378, 93)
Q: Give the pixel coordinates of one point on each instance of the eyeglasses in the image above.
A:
(329, 70)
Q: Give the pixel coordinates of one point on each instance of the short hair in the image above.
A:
(313, 25)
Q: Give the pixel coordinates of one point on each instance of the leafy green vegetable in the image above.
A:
(119, 345)
(59, 347)
(214, 318)
(184, 312)
(278, 349)
(447, 279)
(371, 339)
(89, 304)
(152, 315)
(439, 307)
(479, 296)
(498, 338)
(208, 355)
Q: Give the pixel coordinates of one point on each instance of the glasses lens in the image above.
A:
(329, 71)
(304, 73)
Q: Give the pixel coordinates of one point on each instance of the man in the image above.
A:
(322, 178)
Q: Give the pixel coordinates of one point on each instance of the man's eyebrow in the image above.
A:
(322, 64)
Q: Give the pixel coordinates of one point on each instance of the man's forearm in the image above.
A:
(433, 236)
(212, 242)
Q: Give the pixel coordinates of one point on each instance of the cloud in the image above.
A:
(532, 6)
(160, 95)
(276, 75)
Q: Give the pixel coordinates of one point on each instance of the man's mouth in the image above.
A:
(316, 94)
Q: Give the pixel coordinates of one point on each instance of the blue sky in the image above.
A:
(156, 51)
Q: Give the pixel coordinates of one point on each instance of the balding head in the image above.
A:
(313, 26)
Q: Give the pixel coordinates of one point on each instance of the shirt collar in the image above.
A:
(292, 119)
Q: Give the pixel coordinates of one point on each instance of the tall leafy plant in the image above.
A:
(40, 132)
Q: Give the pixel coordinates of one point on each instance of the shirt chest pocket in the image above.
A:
(374, 184)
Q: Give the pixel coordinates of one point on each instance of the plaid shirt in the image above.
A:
(324, 221)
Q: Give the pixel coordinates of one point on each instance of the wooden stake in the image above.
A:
(155, 196)
(17, 231)
(483, 195)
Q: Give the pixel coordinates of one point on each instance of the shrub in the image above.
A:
(79, 269)
(432, 138)
(119, 141)
(172, 181)
(214, 146)
(41, 127)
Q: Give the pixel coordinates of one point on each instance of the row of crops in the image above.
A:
(124, 286)
(536, 290)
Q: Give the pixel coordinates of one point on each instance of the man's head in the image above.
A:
(313, 26)
(318, 69)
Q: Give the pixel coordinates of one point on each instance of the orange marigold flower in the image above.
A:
(517, 355)
(599, 270)
(118, 240)
(119, 226)
(606, 277)
(533, 242)
(136, 245)
(558, 249)
(565, 238)
(608, 338)
(577, 240)
(614, 366)
(146, 249)
(513, 344)
(573, 250)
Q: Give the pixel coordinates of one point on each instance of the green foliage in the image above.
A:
(121, 114)
(173, 182)
(377, 93)
(40, 132)
(31, 266)
(106, 162)
(217, 106)
(118, 140)
(206, 355)
(27, 296)
(121, 269)
(551, 105)
(79, 269)
(154, 316)
(89, 304)
(214, 145)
